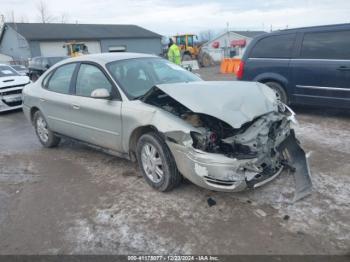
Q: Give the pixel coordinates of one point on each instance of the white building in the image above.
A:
(229, 44)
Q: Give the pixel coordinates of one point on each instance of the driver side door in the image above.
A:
(96, 121)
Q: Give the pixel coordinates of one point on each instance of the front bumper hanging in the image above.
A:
(296, 161)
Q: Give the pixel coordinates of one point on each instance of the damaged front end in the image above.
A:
(220, 157)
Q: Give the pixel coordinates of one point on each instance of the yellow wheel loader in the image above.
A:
(191, 51)
(76, 49)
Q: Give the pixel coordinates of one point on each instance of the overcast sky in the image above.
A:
(170, 17)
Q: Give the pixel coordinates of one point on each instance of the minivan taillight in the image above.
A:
(240, 70)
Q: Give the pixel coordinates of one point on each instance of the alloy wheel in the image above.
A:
(42, 129)
(152, 163)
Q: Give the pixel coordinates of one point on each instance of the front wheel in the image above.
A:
(157, 164)
(281, 94)
(46, 137)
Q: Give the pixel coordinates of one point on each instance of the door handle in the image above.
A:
(42, 100)
(343, 68)
(76, 107)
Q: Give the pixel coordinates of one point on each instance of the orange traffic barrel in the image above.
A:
(224, 65)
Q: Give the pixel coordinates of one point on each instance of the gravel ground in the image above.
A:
(76, 200)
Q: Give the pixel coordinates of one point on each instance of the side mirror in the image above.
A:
(100, 93)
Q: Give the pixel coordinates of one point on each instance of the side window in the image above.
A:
(279, 46)
(61, 78)
(90, 78)
(326, 45)
(46, 79)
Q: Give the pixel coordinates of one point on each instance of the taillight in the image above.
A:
(240, 70)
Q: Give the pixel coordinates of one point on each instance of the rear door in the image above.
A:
(56, 99)
(321, 72)
(96, 121)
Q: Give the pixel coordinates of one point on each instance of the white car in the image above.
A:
(224, 136)
(11, 86)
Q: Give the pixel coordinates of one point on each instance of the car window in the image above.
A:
(7, 71)
(326, 45)
(46, 80)
(137, 76)
(61, 79)
(90, 78)
(277, 46)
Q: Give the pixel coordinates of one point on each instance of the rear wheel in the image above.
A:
(46, 137)
(157, 164)
(279, 91)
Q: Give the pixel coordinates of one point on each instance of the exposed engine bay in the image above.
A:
(265, 145)
(216, 136)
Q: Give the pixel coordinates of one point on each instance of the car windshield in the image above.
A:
(18, 67)
(7, 71)
(137, 76)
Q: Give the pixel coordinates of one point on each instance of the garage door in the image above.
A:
(58, 49)
(52, 49)
(94, 47)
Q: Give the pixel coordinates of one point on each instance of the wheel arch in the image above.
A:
(134, 137)
(279, 79)
(33, 110)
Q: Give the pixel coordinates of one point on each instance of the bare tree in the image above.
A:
(44, 13)
(10, 17)
(64, 18)
(24, 19)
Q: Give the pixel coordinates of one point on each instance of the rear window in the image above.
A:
(277, 46)
(60, 80)
(326, 45)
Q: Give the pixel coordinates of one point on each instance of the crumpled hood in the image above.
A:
(8, 81)
(235, 102)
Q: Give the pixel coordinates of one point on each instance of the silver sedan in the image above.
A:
(225, 136)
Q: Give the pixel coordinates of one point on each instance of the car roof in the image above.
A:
(104, 58)
(318, 28)
(307, 29)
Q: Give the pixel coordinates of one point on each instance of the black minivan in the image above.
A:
(309, 66)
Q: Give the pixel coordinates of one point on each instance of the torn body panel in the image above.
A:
(223, 156)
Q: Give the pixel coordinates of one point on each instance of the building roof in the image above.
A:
(53, 31)
(249, 34)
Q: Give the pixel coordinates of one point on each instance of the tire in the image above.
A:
(149, 164)
(279, 91)
(206, 60)
(46, 137)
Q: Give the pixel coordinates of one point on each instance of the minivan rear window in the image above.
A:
(276, 46)
(326, 45)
